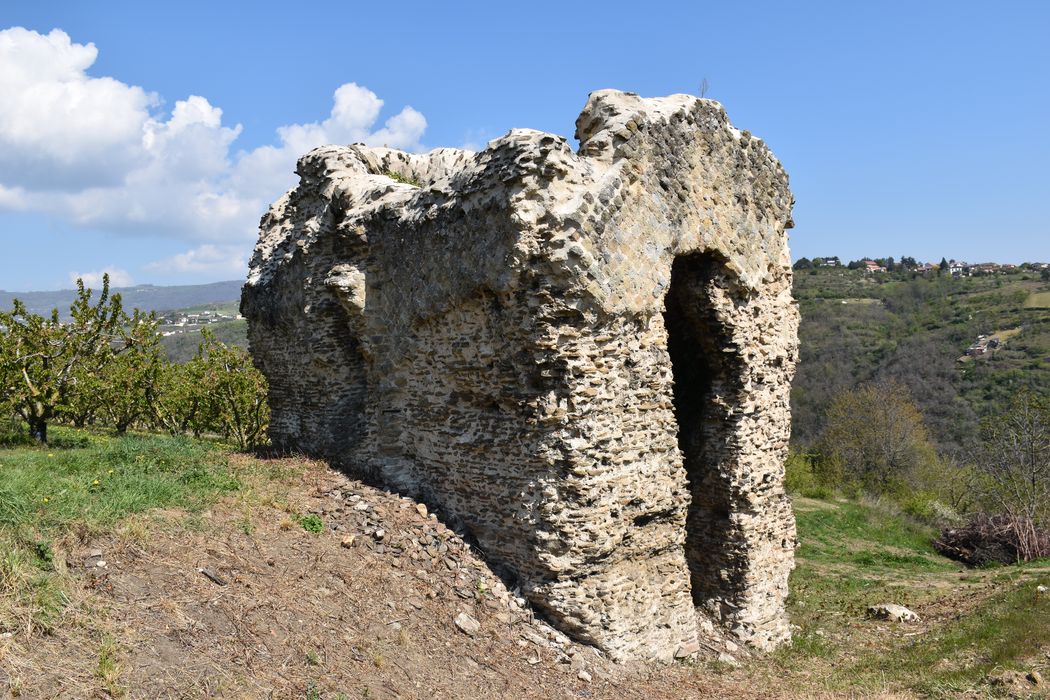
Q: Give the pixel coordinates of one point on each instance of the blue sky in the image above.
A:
(907, 128)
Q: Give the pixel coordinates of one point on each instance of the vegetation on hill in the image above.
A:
(182, 347)
(913, 330)
(931, 392)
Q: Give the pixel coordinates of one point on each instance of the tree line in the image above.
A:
(104, 367)
(905, 263)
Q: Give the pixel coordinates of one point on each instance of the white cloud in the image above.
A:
(102, 154)
(12, 198)
(59, 127)
(220, 260)
(93, 280)
(268, 169)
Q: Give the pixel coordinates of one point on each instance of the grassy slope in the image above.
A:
(49, 496)
(974, 623)
(852, 555)
(1038, 300)
(914, 330)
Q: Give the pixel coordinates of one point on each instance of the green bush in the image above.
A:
(811, 476)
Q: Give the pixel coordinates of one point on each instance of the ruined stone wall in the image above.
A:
(584, 357)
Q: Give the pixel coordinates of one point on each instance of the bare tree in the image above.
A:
(1014, 459)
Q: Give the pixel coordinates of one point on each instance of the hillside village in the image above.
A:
(181, 322)
(955, 268)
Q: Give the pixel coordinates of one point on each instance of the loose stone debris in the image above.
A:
(467, 624)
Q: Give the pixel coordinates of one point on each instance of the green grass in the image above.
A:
(1004, 632)
(49, 489)
(46, 493)
(397, 177)
(849, 532)
(853, 555)
(107, 670)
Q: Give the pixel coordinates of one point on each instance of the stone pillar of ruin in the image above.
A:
(582, 357)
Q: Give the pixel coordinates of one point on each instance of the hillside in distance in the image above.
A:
(146, 297)
(963, 346)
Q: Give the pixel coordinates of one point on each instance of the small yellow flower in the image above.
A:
(46, 499)
(110, 471)
(95, 482)
(50, 455)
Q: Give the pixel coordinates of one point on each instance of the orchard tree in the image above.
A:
(130, 373)
(41, 357)
(234, 392)
(176, 408)
(84, 398)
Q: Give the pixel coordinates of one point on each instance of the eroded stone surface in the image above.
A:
(584, 357)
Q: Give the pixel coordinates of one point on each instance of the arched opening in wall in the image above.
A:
(707, 386)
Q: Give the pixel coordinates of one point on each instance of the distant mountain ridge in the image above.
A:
(146, 297)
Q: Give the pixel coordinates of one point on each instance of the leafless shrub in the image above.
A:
(1013, 462)
(987, 539)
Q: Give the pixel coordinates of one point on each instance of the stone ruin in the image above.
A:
(582, 357)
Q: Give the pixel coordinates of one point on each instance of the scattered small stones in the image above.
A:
(93, 559)
(893, 612)
(348, 541)
(467, 624)
(421, 508)
(534, 638)
(584, 676)
(1041, 589)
